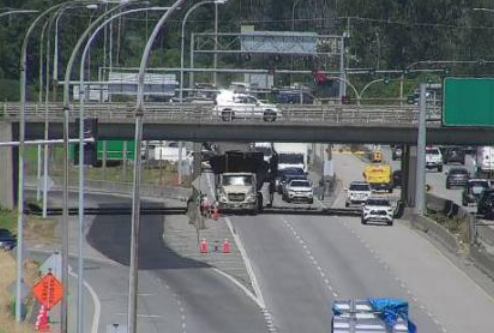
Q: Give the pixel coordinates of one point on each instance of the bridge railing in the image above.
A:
(173, 112)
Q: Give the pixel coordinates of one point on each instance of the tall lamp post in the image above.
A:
(182, 63)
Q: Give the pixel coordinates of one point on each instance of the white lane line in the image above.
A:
(248, 264)
(239, 285)
(96, 302)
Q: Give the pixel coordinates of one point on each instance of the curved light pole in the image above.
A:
(293, 13)
(21, 152)
(349, 84)
(20, 11)
(136, 204)
(367, 87)
(82, 97)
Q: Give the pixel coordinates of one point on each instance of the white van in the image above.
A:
(231, 105)
(484, 160)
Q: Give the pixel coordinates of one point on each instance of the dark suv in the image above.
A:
(7, 240)
(454, 155)
(485, 206)
(473, 191)
(457, 177)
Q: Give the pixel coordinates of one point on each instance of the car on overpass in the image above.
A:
(231, 105)
(473, 191)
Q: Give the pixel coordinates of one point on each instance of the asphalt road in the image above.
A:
(303, 263)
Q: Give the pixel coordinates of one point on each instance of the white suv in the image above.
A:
(377, 209)
(231, 105)
(358, 193)
(299, 190)
(433, 159)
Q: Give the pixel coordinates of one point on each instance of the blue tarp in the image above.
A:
(392, 309)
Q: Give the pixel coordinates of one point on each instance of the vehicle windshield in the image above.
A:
(478, 187)
(267, 151)
(292, 171)
(359, 187)
(378, 202)
(291, 158)
(458, 172)
(237, 180)
(432, 152)
(299, 183)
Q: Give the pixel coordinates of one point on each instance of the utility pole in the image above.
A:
(421, 142)
(215, 58)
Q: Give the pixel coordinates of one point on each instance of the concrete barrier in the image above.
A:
(438, 232)
(483, 260)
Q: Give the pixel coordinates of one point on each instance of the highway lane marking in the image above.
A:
(96, 302)
(312, 258)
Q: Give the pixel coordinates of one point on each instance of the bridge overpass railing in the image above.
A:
(174, 112)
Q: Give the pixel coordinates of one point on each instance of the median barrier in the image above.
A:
(438, 232)
(486, 234)
(483, 260)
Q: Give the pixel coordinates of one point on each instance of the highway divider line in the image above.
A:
(239, 285)
(96, 302)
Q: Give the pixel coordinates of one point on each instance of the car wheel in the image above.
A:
(440, 169)
(269, 115)
(364, 221)
(347, 204)
(463, 203)
(448, 186)
(390, 223)
(311, 202)
(390, 190)
(227, 115)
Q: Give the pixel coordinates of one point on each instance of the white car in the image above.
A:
(377, 209)
(358, 193)
(299, 190)
(231, 105)
(433, 159)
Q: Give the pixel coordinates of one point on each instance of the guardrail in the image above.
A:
(173, 112)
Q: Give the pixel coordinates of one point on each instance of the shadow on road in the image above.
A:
(110, 235)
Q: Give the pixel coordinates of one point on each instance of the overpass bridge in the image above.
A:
(299, 123)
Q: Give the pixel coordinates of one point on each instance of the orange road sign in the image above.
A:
(48, 291)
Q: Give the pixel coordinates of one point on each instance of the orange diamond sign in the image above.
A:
(48, 291)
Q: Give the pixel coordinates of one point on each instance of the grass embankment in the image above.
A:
(7, 279)
(36, 229)
(164, 175)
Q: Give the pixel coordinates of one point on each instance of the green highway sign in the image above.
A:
(468, 102)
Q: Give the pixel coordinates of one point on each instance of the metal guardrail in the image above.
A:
(171, 112)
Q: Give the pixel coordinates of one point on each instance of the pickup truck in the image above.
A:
(433, 159)
(376, 315)
(231, 105)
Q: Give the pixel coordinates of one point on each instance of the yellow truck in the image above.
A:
(379, 177)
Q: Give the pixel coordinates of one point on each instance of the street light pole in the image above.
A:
(293, 13)
(136, 204)
(20, 193)
(82, 95)
(421, 143)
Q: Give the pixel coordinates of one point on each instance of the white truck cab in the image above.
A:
(433, 159)
(231, 105)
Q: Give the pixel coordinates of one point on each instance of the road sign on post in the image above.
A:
(468, 102)
(48, 291)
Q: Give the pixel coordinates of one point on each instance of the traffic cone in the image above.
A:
(226, 246)
(204, 247)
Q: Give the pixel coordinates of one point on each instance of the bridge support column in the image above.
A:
(409, 177)
(8, 162)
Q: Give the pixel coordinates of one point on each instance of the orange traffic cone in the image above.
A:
(226, 246)
(204, 247)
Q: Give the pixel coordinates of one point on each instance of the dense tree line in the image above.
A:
(383, 34)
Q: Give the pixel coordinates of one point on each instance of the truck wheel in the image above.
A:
(227, 115)
(269, 115)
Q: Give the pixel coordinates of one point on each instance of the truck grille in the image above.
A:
(236, 196)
